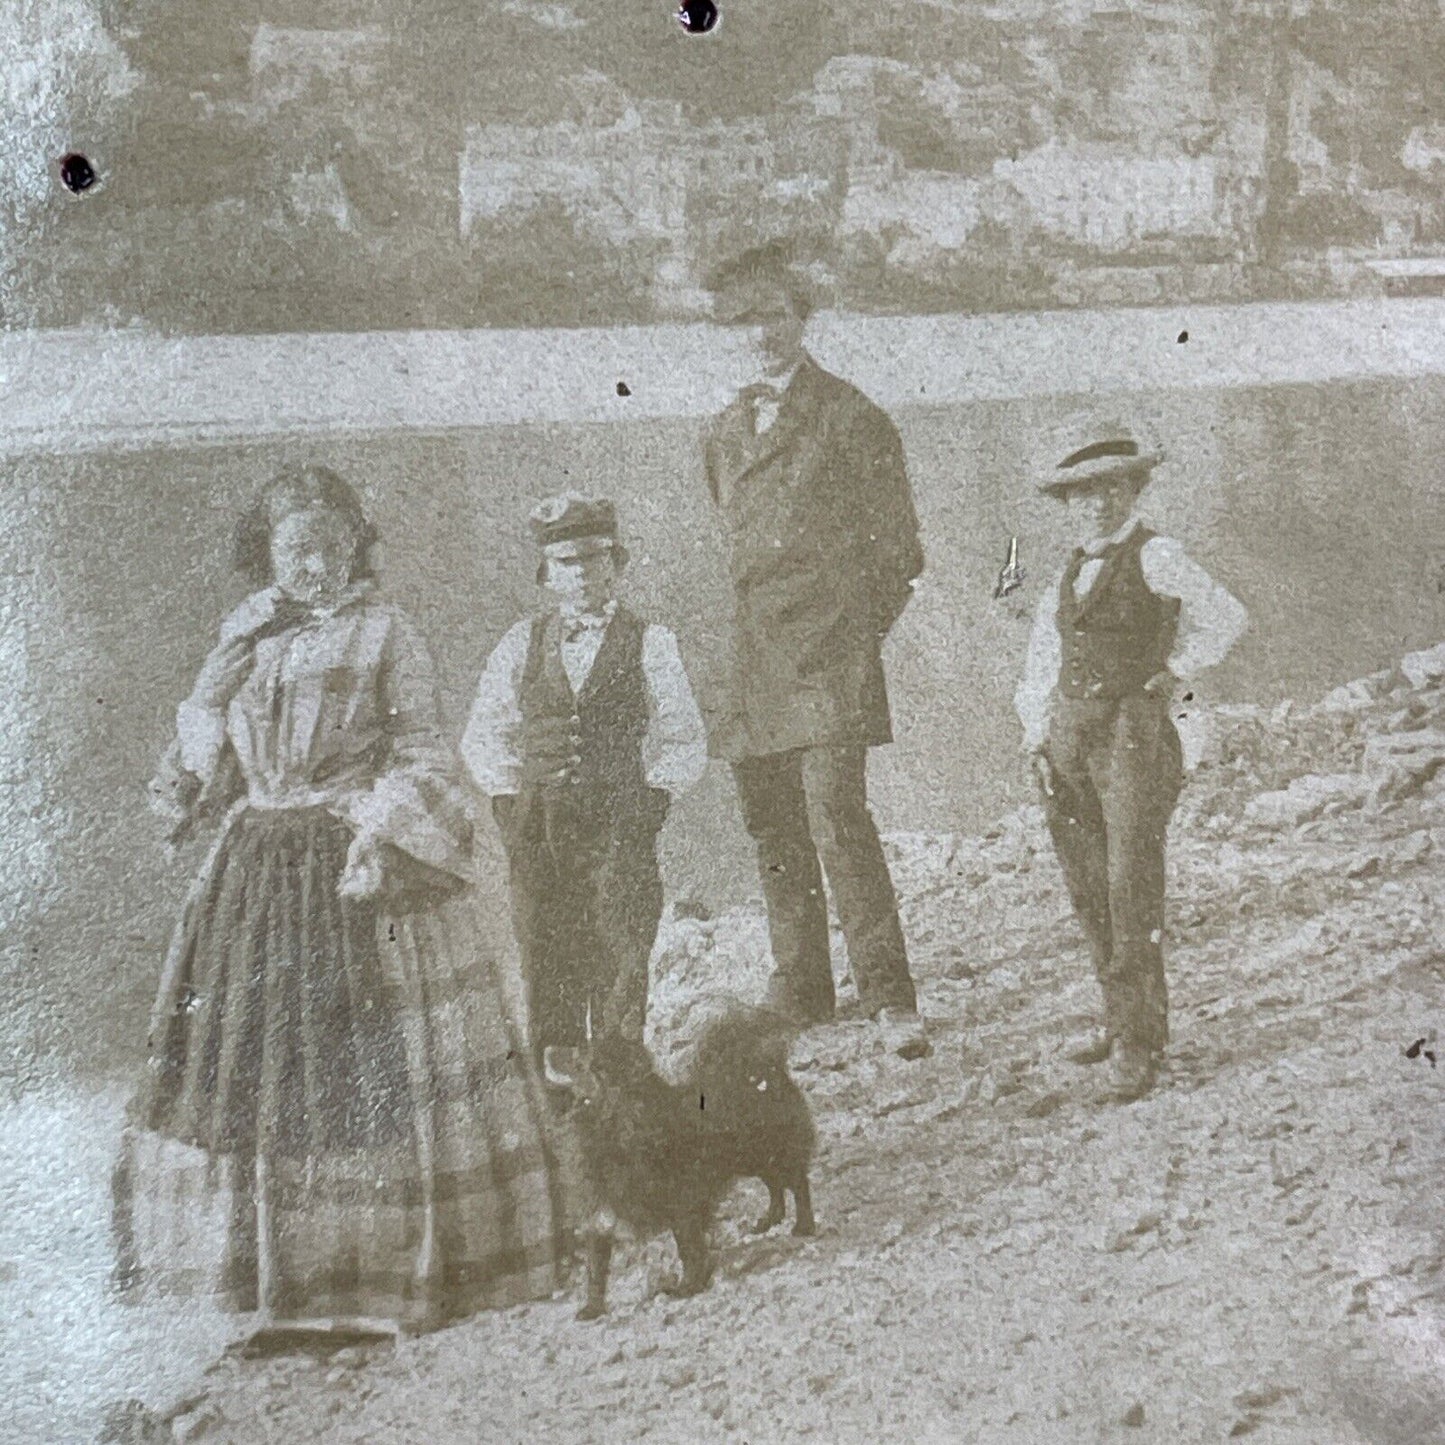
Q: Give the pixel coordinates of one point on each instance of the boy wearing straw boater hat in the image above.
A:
(1130, 618)
(584, 729)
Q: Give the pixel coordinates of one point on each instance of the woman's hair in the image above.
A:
(298, 489)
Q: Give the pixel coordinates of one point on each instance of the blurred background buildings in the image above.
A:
(327, 165)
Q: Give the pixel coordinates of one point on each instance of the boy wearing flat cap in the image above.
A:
(584, 729)
(1130, 618)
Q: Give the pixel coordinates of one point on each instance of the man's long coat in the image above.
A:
(823, 547)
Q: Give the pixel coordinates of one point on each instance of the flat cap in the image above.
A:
(572, 517)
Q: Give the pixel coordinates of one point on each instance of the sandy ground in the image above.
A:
(1255, 1250)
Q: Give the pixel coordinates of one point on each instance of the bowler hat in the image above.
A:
(1114, 458)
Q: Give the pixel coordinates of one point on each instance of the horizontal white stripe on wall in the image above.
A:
(83, 390)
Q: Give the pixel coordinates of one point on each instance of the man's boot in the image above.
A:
(1091, 1047)
(904, 1033)
(1132, 1070)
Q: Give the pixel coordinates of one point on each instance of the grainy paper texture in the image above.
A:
(528, 530)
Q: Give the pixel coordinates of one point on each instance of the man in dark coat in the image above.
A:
(809, 478)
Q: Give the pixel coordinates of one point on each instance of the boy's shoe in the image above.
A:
(1092, 1047)
(903, 1033)
(1132, 1071)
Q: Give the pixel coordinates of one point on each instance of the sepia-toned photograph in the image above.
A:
(722, 722)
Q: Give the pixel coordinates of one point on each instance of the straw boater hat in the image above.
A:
(572, 525)
(1116, 456)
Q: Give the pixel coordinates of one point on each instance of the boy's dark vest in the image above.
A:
(1118, 636)
(592, 739)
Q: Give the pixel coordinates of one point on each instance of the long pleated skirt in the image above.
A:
(338, 1120)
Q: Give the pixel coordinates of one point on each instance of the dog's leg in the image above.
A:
(777, 1207)
(599, 1258)
(804, 1223)
(692, 1250)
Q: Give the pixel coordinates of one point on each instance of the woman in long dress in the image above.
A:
(339, 1124)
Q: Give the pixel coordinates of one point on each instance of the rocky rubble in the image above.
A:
(1254, 1250)
(1372, 742)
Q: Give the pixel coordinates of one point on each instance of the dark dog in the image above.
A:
(660, 1156)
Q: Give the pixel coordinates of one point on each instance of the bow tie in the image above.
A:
(761, 391)
(575, 627)
(289, 613)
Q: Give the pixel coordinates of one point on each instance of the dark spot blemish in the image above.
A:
(1418, 1050)
(623, 389)
(1188, 697)
(697, 17)
(1182, 337)
(76, 173)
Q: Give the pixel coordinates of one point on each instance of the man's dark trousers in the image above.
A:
(1116, 774)
(799, 806)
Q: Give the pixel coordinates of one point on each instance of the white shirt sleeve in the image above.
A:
(1211, 619)
(674, 750)
(491, 746)
(202, 734)
(1041, 670)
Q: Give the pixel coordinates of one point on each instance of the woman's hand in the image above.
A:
(1043, 769)
(173, 793)
(363, 875)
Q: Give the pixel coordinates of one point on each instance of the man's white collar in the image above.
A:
(597, 618)
(778, 384)
(1102, 544)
